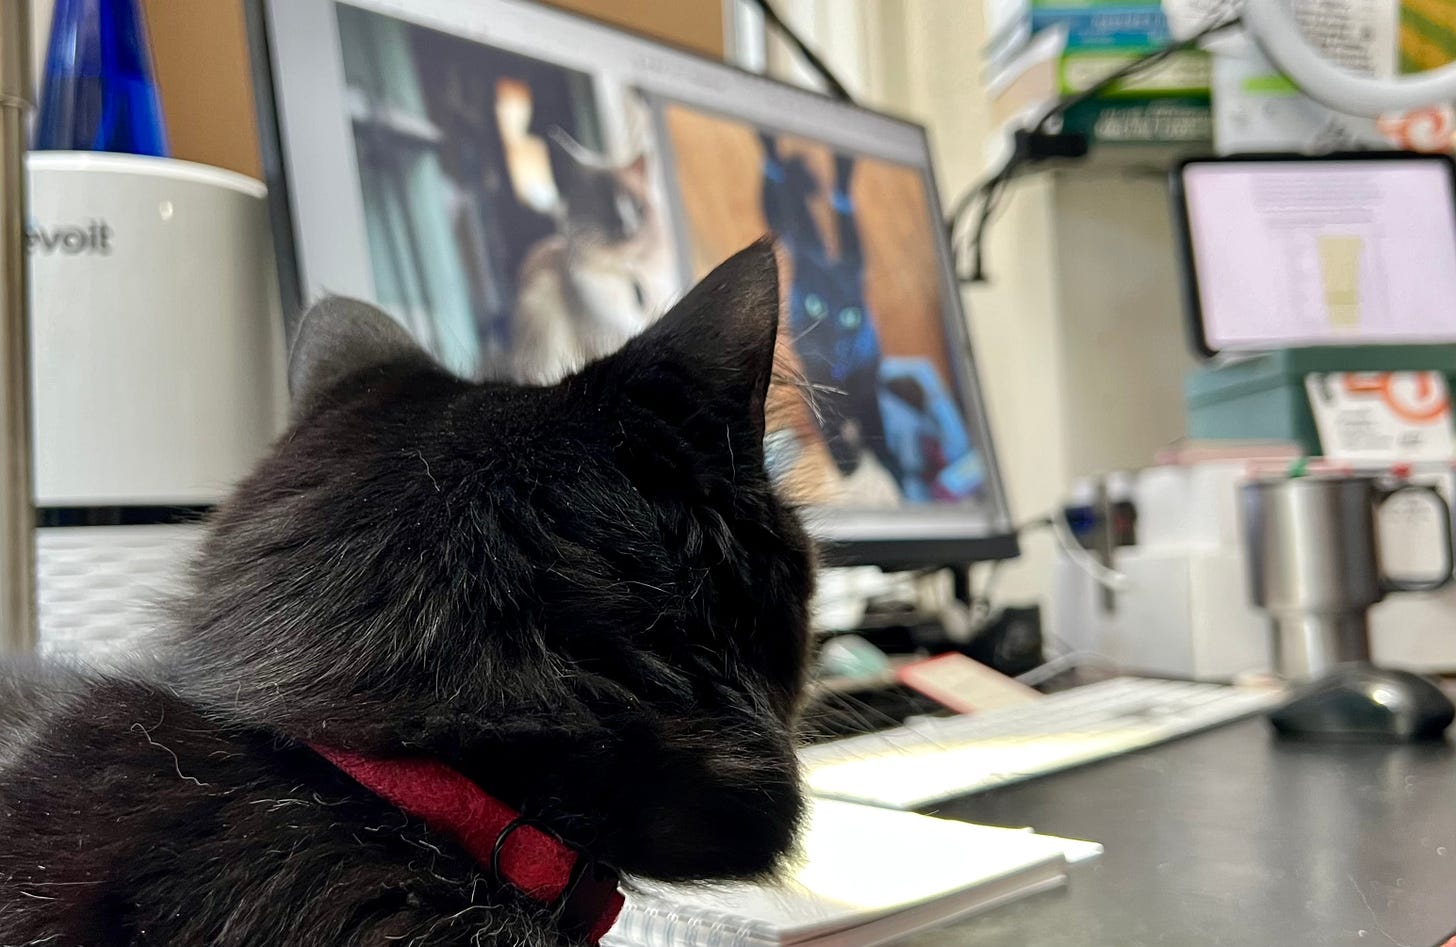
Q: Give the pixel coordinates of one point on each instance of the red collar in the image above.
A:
(535, 862)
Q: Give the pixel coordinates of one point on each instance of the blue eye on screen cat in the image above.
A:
(896, 411)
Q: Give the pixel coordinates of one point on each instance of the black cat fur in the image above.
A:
(585, 597)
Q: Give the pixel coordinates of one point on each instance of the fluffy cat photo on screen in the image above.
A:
(452, 656)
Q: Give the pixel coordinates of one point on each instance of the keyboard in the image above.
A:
(937, 758)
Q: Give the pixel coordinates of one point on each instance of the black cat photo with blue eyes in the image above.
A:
(838, 347)
(886, 426)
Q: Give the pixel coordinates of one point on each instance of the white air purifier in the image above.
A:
(157, 368)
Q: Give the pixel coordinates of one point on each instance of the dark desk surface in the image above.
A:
(1235, 838)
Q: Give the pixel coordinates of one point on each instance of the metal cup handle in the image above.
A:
(1448, 547)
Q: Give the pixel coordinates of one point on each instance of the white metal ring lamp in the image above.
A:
(1272, 25)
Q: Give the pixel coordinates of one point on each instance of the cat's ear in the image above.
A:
(637, 167)
(339, 337)
(723, 333)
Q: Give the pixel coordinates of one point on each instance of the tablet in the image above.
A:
(1283, 251)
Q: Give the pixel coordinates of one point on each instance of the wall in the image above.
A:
(1123, 337)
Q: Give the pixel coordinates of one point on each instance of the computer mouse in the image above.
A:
(1363, 702)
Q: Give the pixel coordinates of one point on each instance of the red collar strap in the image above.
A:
(535, 862)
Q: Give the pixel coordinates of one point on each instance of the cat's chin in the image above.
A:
(696, 806)
(718, 837)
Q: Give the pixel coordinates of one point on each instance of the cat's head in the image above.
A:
(839, 351)
(604, 203)
(829, 319)
(833, 334)
(585, 596)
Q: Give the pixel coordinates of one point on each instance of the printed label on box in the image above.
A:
(1382, 416)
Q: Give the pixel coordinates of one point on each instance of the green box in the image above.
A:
(1262, 397)
(1189, 72)
(1178, 119)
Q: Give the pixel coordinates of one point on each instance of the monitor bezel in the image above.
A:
(887, 538)
(1183, 229)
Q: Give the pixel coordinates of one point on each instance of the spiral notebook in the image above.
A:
(866, 876)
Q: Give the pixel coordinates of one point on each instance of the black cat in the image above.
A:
(583, 600)
(829, 319)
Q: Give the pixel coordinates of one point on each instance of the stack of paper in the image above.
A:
(865, 876)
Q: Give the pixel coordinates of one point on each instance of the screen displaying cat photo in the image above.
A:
(514, 220)
(879, 421)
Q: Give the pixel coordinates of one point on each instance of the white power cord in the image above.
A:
(1081, 558)
(1064, 662)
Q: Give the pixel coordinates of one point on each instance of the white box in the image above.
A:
(1184, 613)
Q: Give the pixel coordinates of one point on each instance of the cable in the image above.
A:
(1036, 145)
(989, 203)
(810, 58)
(1081, 558)
(1064, 662)
(1079, 555)
(981, 608)
(988, 193)
(982, 603)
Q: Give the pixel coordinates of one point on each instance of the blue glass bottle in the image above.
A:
(98, 92)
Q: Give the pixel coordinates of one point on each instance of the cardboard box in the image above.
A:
(692, 24)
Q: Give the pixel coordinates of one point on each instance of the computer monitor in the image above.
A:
(1290, 251)
(522, 188)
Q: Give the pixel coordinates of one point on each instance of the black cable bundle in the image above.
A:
(1043, 141)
